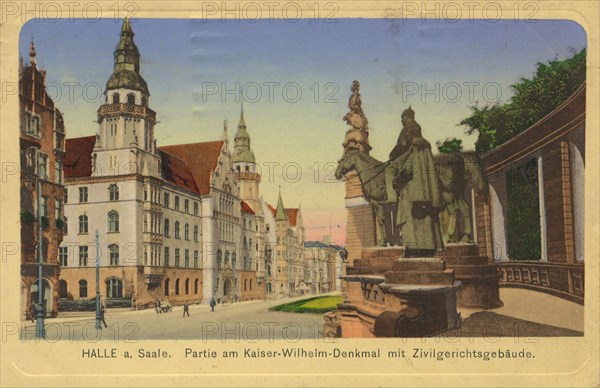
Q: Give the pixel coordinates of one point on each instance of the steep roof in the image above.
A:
(175, 171)
(246, 208)
(200, 158)
(290, 214)
(78, 163)
(78, 156)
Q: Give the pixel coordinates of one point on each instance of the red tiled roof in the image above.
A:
(200, 158)
(246, 208)
(291, 214)
(78, 156)
(175, 171)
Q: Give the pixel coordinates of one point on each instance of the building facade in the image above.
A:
(322, 266)
(42, 150)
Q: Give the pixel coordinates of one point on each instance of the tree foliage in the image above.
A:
(552, 84)
(449, 146)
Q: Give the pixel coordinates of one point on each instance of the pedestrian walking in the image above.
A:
(212, 304)
(102, 316)
(186, 309)
(157, 305)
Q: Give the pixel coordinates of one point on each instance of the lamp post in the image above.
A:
(40, 331)
(98, 318)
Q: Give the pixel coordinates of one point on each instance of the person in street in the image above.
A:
(212, 304)
(157, 305)
(186, 309)
(102, 310)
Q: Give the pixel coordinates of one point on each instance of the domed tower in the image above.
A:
(244, 165)
(125, 143)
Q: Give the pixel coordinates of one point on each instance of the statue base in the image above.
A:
(478, 277)
(392, 296)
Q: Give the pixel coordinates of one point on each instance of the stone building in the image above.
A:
(170, 219)
(321, 266)
(42, 131)
(288, 277)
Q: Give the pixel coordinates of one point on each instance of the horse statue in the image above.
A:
(454, 171)
(372, 179)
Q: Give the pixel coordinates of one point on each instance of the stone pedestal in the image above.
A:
(478, 277)
(392, 296)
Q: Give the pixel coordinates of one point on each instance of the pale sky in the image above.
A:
(195, 70)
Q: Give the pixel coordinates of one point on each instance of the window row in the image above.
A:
(113, 223)
(177, 229)
(150, 252)
(177, 290)
(186, 258)
(221, 264)
(114, 288)
(176, 204)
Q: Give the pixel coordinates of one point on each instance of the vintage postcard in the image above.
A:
(300, 193)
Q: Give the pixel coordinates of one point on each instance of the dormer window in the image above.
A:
(115, 98)
(131, 98)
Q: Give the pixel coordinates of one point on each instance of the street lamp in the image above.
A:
(98, 317)
(40, 331)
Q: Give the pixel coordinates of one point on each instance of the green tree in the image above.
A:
(552, 84)
(449, 146)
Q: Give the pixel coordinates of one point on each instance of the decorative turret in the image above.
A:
(280, 214)
(242, 153)
(126, 73)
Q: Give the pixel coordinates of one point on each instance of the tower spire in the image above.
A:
(242, 121)
(32, 53)
(280, 215)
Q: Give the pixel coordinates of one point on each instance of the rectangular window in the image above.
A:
(57, 210)
(66, 195)
(58, 172)
(43, 166)
(44, 207)
(176, 257)
(167, 257)
(166, 201)
(195, 259)
(186, 206)
(83, 256)
(195, 208)
(176, 203)
(187, 258)
(83, 194)
(63, 256)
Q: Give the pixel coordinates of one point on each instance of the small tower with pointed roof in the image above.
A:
(125, 141)
(244, 166)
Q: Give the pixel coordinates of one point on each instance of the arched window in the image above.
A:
(233, 260)
(113, 222)
(245, 284)
(114, 288)
(62, 289)
(167, 284)
(196, 233)
(219, 259)
(177, 287)
(167, 228)
(226, 258)
(83, 288)
(196, 284)
(250, 284)
(187, 232)
(114, 254)
(116, 98)
(177, 229)
(187, 286)
(83, 224)
(131, 98)
(113, 192)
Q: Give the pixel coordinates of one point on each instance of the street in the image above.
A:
(243, 321)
